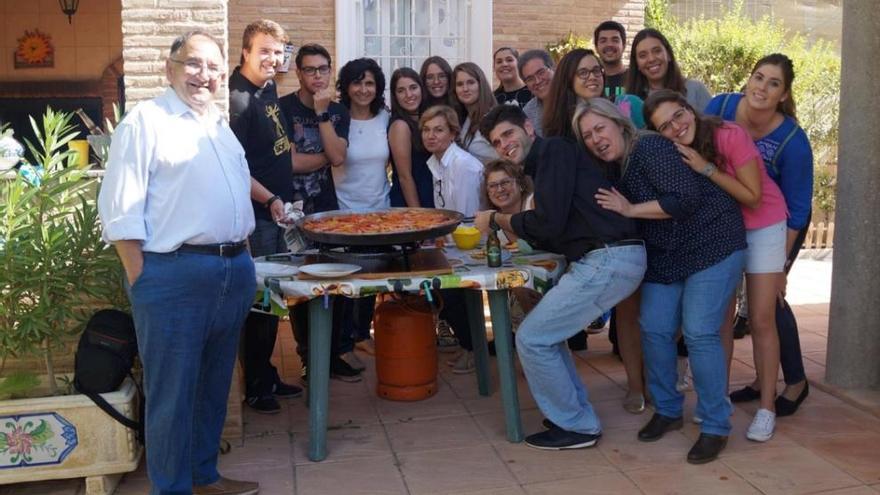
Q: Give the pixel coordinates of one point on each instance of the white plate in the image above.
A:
(275, 270)
(329, 270)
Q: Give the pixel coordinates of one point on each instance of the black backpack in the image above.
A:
(104, 357)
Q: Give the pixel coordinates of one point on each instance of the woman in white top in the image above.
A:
(362, 182)
(457, 174)
(474, 98)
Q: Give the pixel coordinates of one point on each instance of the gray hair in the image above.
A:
(530, 55)
(604, 108)
(181, 40)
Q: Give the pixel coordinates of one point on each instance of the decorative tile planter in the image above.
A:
(68, 437)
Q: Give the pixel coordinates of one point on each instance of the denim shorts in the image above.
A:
(766, 252)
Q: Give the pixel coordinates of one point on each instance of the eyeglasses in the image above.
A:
(193, 66)
(677, 118)
(585, 73)
(501, 184)
(539, 74)
(441, 77)
(438, 192)
(310, 71)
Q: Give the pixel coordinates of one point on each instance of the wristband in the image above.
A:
(268, 203)
(492, 223)
(709, 169)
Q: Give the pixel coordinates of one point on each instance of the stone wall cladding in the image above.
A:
(149, 27)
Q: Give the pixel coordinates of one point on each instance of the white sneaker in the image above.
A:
(683, 384)
(762, 426)
(354, 361)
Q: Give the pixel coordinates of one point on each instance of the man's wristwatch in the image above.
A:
(492, 223)
(268, 203)
(324, 117)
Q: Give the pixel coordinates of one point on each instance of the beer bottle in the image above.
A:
(493, 250)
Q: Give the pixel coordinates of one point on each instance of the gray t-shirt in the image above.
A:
(697, 94)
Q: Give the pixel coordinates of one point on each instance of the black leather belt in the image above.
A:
(225, 249)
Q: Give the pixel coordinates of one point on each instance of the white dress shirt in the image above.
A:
(175, 177)
(457, 179)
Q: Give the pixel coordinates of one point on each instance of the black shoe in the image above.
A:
(546, 423)
(786, 407)
(658, 426)
(264, 405)
(741, 327)
(706, 449)
(558, 439)
(342, 371)
(745, 394)
(286, 391)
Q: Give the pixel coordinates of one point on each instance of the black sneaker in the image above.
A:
(546, 423)
(741, 327)
(342, 371)
(264, 405)
(558, 439)
(286, 391)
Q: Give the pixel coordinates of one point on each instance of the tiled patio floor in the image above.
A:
(454, 442)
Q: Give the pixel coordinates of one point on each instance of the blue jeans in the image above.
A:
(188, 311)
(591, 286)
(697, 305)
(260, 330)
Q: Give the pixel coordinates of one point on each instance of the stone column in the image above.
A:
(853, 359)
(149, 27)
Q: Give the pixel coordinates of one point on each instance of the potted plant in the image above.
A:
(55, 270)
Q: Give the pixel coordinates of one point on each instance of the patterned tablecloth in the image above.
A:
(538, 270)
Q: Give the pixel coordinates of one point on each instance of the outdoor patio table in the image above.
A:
(538, 271)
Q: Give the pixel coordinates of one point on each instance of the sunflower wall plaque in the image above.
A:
(34, 49)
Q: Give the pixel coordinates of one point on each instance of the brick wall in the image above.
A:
(527, 24)
(312, 21)
(149, 27)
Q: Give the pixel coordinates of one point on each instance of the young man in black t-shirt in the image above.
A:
(319, 132)
(609, 38)
(256, 120)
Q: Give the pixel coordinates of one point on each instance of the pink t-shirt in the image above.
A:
(737, 149)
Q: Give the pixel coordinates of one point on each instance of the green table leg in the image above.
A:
(500, 313)
(319, 376)
(474, 302)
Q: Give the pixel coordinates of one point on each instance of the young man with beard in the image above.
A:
(319, 131)
(609, 38)
(536, 70)
(256, 120)
(607, 263)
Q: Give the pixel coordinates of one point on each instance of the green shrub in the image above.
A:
(55, 269)
(721, 53)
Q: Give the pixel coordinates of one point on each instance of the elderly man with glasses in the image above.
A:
(175, 202)
(536, 69)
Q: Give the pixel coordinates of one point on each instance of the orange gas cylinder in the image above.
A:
(406, 348)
